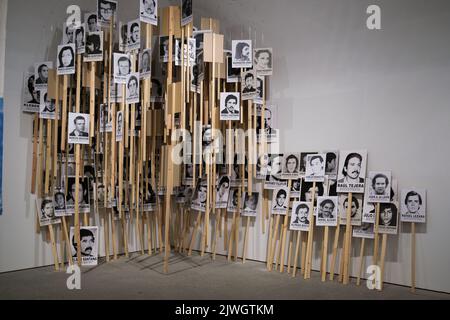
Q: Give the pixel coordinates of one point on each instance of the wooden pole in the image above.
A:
(285, 228)
(413, 257)
(383, 257)
(297, 248)
(77, 166)
(54, 251)
(361, 261)
(309, 246)
(348, 239)
(324, 254)
(335, 248)
(244, 250)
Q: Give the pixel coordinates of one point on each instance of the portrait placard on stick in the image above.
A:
(230, 106)
(41, 74)
(242, 53)
(88, 243)
(47, 106)
(388, 222)
(31, 97)
(331, 164)
(90, 21)
(379, 186)
(274, 169)
(78, 128)
(263, 62)
(356, 209)
(223, 192)
(186, 12)
(352, 169)
(364, 231)
(291, 166)
(149, 11)
(413, 205)
(233, 200)
(260, 90)
(145, 64)
(83, 195)
(280, 201)
(233, 74)
(119, 126)
(46, 212)
(66, 59)
(80, 39)
(132, 90)
(248, 85)
(270, 123)
(134, 35)
(94, 47)
(327, 211)
(59, 203)
(106, 11)
(122, 67)
(315, 167)
(250, 204)
(299, 218)
(199, 197)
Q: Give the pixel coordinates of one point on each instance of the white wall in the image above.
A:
(339, 86)
(382, 90)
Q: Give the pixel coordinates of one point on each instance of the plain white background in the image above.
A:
(337, 85)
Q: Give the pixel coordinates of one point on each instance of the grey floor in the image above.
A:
(141, 277)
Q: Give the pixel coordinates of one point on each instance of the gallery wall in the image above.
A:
(337, 86)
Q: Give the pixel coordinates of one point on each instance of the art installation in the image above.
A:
(171, 135)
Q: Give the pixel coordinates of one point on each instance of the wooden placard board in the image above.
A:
(213, 47)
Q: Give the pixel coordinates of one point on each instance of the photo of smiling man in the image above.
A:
(352, 169)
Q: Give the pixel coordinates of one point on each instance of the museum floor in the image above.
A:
(190, 278)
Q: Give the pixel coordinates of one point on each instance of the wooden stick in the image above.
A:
(269, 239)
(77, 166)
(290, 241)
(361, 261)
(64, 113)
(376, 236)
(194, 233)
(335, 248)
(231, 237)
(383, 256)
(274, 241)
(65, 231)
(35, 149)
(285, 228)
(297, 248)
(303, 258)
(347, 242)
(113, 234)
(106, 233)
(309, 246)
(413, 257)
(324, 254)
(244, 250)
(54, 251)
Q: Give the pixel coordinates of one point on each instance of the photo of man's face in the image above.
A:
(92, 23)
(106, 10)
(281, 197)
(60, 201)
(124, 67)
(80, 125)
(309, 194)
(249, 82)
(386, 216)
(331, 165)
(149, 7)
(202, 194)
(327, 210)
(223, 188)
(291, 165)
(379, 185)
(145, 65)
(235, 198)
(251, 202)
(231, 104)
(302, 213)
(47, 210)
(80, 192)
(353, 167)
(66, 57)
(43, 74)
(413, 204)
(119, 122)
(317, 166)
(135, 33)
(262, 61)
(132, 87)
(69, 34)
(87, 242)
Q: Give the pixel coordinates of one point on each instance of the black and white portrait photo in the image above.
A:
(190, 51)
(66, 59)
(119, 126)
(355, 208)
(31, 97)
(90, 21)
(260, 87)
(83, 195)
(80, 39)
(331, 164)
(41, 74)
(250, 204)
(233, 74)
(352, 170)
(364, 231)
(280, 201)
(68, 34)
(304, 160)
(315, 167)
(296, 186)
(263, 61)
(233, 200)
(230, 108)
(242, 52)
(122, 67)
(132, 89)
(78, 128)
(105, 119)
(88, 245)
(188, 173)
(269, 113)
(307, 191)
(291, 166)
(46, 212)
(388, 221)
(149, 11)
(106, 12)
(150, 198)
(248, 85)
(47, 106)
(145, 64)
(274, 169)
(59, 203)
(413, 205)
(261, 166)
(327, 211)
(164, 48)
(123, 37)
(134, 35)
(379, 186)
(200, 196)
(368, 213)
(300, 216)
(94, 47)
(157, 91)
(186, 12)
(223, 192)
